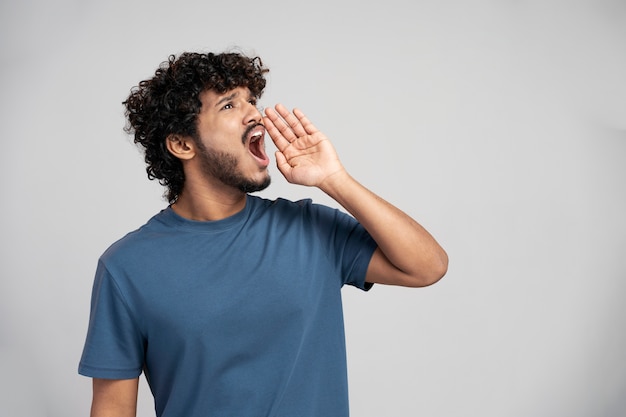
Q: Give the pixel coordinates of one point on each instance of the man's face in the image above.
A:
(231, 140)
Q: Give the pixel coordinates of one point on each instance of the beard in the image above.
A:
(223, 166)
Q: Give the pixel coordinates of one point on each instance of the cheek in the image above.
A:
(224, 133)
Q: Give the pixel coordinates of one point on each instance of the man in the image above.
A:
(230, 303)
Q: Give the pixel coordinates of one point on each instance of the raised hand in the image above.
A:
(407, 254)
(305, 156)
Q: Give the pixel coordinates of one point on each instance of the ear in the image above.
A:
(182, 147)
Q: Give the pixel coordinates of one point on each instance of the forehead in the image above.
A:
(212, 98)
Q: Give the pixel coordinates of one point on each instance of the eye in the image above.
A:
(253, 101)
(227, 106)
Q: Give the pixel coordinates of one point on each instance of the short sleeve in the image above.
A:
(114, 345)
(349, 245)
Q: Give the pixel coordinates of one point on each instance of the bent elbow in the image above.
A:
(437, 270)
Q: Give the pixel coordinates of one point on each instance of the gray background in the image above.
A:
(499, 125)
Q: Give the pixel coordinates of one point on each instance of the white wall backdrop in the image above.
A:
(499, 125)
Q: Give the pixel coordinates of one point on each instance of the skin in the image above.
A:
(114, 397)
(407, 254)
(223, 120)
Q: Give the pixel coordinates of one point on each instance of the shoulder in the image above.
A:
(301, 213)
(279, 207)
(136, 240)
(288, 211)
(257, 202)
(282, 205)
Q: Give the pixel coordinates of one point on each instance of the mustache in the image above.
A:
(249, 129)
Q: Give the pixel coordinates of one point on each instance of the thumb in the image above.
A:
(283, 165)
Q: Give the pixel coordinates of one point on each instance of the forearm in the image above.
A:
(416, 255)
(408, 255)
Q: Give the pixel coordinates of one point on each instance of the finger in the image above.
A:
(294, 123)
(280, 124)
(277, 137)
(283, 165)
(308, 127)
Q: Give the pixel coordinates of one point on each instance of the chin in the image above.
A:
(254, 186)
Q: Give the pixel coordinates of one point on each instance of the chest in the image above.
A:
(209, 287)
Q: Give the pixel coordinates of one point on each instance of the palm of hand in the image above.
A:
(305, 156)
(309, 160)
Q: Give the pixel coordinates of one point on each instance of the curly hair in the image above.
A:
(169, 103)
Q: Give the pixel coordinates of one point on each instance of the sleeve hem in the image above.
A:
(106, 373)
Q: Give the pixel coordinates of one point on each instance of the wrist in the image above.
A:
(335, 182)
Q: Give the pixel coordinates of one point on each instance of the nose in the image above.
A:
(253, 115)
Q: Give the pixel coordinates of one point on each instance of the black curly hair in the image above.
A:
(169, 103)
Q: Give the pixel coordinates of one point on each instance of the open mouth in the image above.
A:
(256, 143)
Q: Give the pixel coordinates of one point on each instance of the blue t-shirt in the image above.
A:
(238, 317)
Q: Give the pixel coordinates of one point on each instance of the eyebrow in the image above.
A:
(230, 97)
(227, 98)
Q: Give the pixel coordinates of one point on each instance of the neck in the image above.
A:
(205, 204)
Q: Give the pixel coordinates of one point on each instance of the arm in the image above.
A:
(407, 254)
(114, 397)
